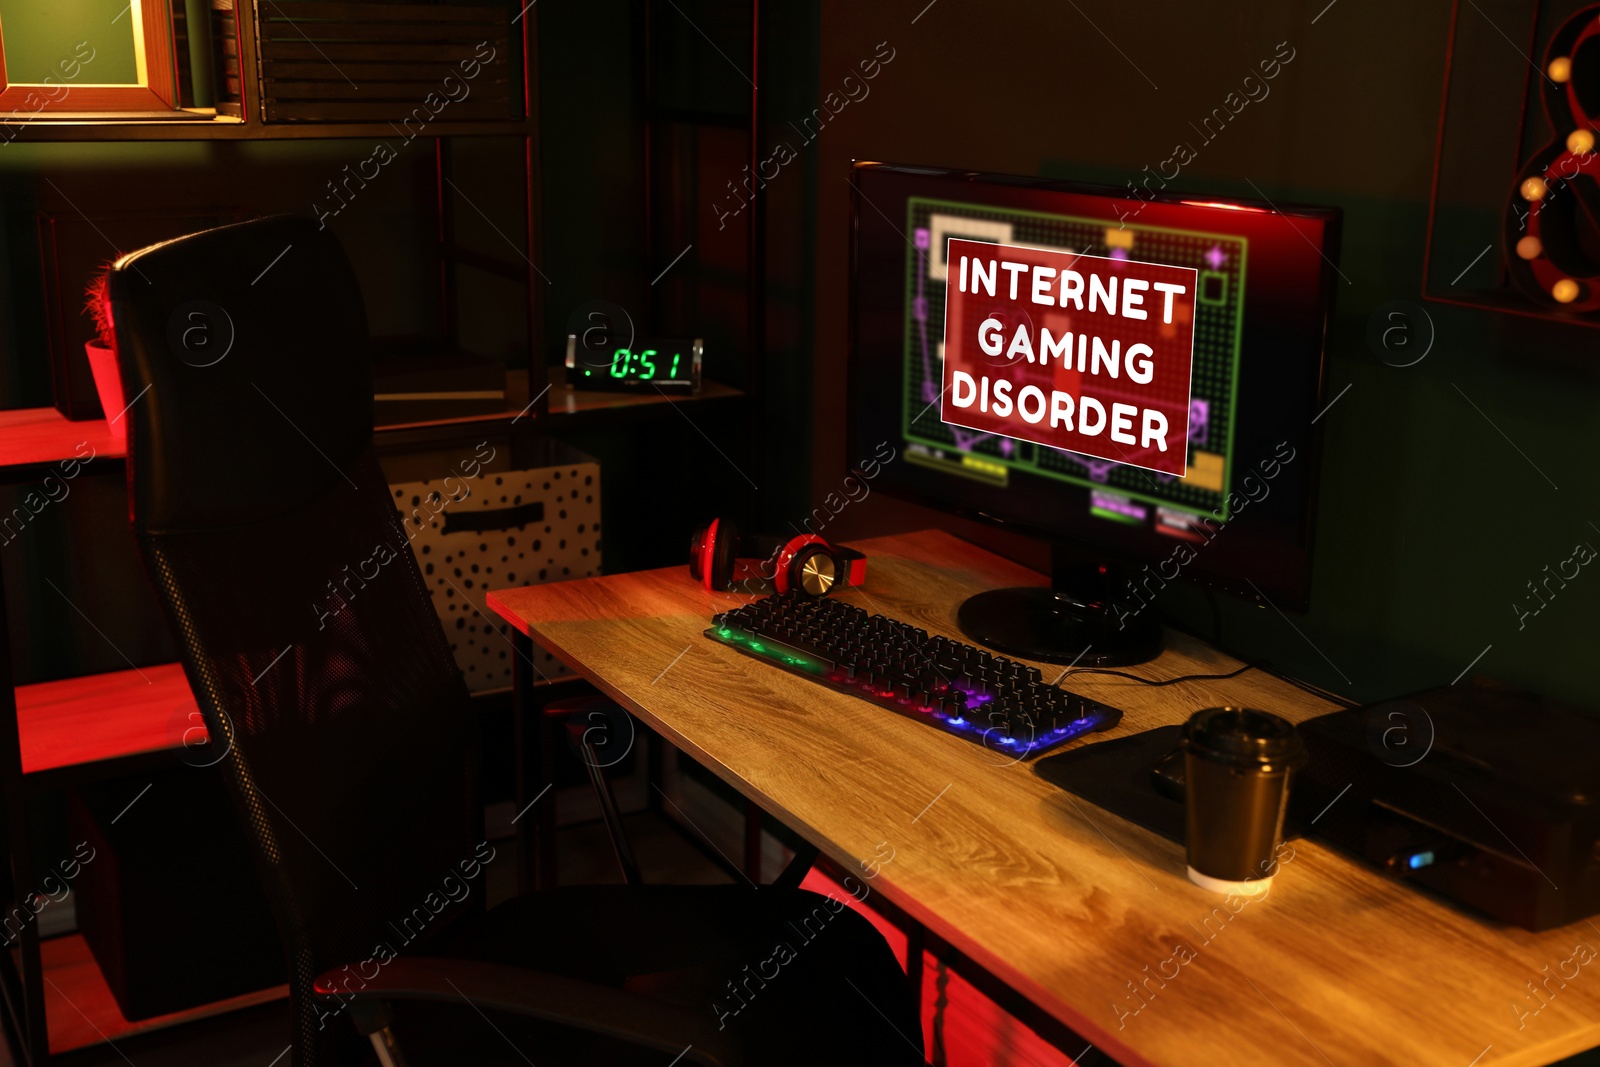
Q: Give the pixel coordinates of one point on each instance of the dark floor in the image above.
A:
(256, 1037)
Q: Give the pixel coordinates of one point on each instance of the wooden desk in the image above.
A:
(1065, 902)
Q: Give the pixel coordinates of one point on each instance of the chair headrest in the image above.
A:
(245, 362)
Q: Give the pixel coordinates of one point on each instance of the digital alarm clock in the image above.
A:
(671, 365)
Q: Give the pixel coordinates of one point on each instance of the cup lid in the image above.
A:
(1243, 735)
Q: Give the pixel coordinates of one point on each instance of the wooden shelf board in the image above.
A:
(565, 399)
(41, 436)
(226, 128)
(90, 117)
(566, 402)
(455, 420)
(100, 717)
(44, 435)
(80, 1010)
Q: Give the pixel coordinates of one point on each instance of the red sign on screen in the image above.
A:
(1074, 352)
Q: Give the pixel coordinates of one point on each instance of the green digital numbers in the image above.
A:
(642, 366)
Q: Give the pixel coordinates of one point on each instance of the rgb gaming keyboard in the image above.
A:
(954, 687)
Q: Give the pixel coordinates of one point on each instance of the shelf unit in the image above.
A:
(53, 997)
(197, 125)
(52, 993)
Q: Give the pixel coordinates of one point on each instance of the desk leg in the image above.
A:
(535, 826)
(752, 841)
(914, 950)
(655, 768)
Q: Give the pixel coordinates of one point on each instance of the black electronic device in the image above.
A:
(668, 364)
(1167, 775)
(1486, 796)
(1139, 777)
(954, 687)
(1241, 518)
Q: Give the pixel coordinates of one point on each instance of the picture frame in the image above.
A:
(155, 87)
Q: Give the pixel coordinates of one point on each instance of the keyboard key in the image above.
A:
(958, 688)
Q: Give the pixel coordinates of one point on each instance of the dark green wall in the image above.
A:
(669, 472)
(1432, 519)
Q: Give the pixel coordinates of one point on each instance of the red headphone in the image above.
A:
(805, 563)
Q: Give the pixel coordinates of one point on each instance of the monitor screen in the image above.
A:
(1240, 514)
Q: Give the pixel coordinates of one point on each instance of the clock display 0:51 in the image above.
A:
(656, 364)
(645, 364)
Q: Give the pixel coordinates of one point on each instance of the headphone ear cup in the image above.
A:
(788, 559)
(697, 547)
(724, 550)
(814, 570)
(712, 549)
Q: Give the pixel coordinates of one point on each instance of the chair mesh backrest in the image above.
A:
(308, 633)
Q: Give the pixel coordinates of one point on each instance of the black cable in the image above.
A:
(1263, 665)
(1152, 681)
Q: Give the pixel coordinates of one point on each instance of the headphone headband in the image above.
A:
(806, 562)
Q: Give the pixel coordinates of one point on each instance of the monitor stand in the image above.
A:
(1084, 618)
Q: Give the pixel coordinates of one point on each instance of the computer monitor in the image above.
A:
(1240, 514)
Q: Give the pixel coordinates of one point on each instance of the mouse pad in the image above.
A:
(1115, 775)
